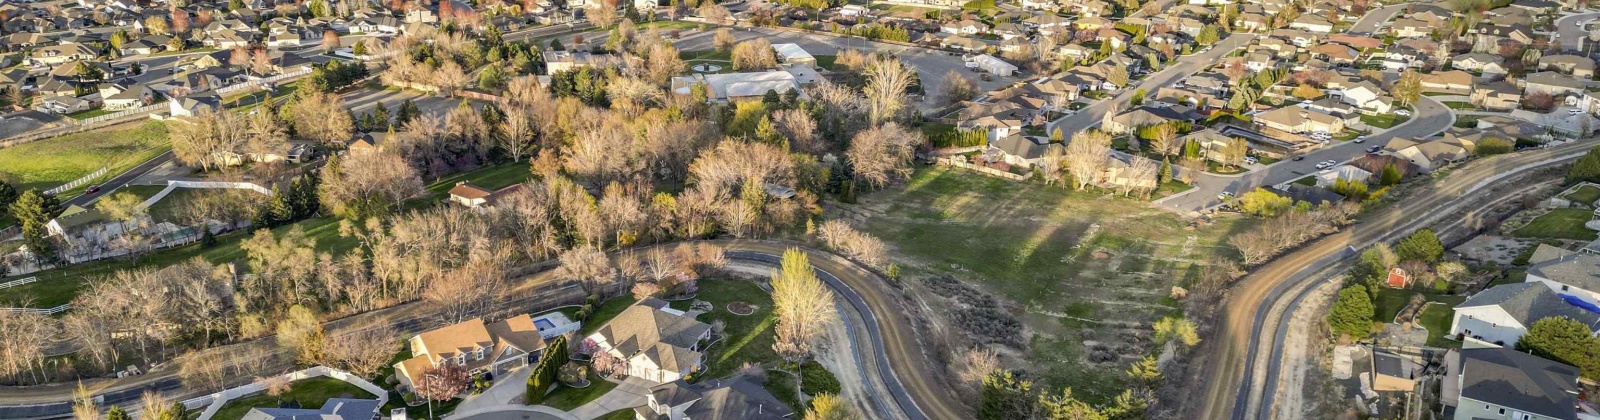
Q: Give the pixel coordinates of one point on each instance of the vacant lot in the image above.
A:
(1559, 223)
(1086, 271)
(45, 164)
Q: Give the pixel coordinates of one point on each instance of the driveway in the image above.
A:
(506, 390)
(1375, 18)
(629, 394)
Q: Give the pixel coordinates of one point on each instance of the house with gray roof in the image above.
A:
(1498, 383)
(740, 398)
(659, 343)
(1574, 273)
(333, 409)
(1502, 314)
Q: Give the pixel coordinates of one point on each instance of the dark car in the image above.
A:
(92, 189)
(1299, 158)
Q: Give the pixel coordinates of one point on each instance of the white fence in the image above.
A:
(263, 81)
(172, 185)
(80, 181)
(140, 111)
(15, 283)
(215, 401)
(47, 311)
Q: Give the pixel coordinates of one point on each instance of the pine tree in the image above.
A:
(1352, 313)
(1164, 175)
(1391, 175)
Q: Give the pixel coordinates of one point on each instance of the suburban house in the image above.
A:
(1497, 96)
(1018, 150)
(1502, 314)
(473, 196)
(191, 105)
(793, 55)
(1000, 119)
(475, 347)
(1295, 120)
(1327, 178)
(736, 398)
(1428, 155)
(1453, 82)
(1368, 97)
(1312, 23)
(1410, 28)
(332, 409)
(1566, 273)
(1497, 383)
(1336, 53)
(963, 27)
(1553, 83)
(659, 343)
(1148, 115)
(1484, 63)
(1575, 65)
(1391, 372)
(993, 65)
(559, 61)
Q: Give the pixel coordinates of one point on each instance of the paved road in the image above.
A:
(83, 200)
(1430, 117)
(1186, 66)
(1568, 32)
(1375, 18)
(916, 383)
(1231, 359)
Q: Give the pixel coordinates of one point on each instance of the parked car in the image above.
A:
(1250, 160)
(1225, 196)
(1402, 112)
(1298, 158)
(1361, 139)
(1374, 149)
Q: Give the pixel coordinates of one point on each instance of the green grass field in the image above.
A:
(310, 393)
(1383, 121)
(1559, 223)
(1585, 195)
(1436, 318)
(747, 338)
(490, 176)
(45, 164)
(59, 286)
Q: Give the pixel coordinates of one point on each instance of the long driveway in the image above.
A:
(1429, 118)
(1233, 387)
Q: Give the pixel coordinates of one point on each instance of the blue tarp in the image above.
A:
(1579, 302)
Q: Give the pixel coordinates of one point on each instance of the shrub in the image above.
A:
(815, 379)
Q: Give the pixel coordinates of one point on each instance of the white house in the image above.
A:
(1366, 96)
(1500, 315)
(659, 343)
(793, 55)
(1566, 272)
(1345, 172)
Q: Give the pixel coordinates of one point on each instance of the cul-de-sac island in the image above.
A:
(799, 209)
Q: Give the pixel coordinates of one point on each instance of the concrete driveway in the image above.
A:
(629, 394)
(506, 390)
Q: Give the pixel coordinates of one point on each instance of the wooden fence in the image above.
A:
(981, 169)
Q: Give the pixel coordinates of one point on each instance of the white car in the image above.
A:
(1402, 112)
(1250, 160)
(1574, 111)
(1360, 139)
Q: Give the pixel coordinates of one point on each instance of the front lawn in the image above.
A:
(309, 393)
(566, 398)
(1559, 223)
(84, 115)
(1383, 121)
(47, 163)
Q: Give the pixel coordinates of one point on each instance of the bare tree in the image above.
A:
(588, 266)
(24, 336)
(301, 332)
(202, 370)
(467, 290)
(603, 13)
(840, 237)
(515, 135)
(322, 117)
(754, 54)
(1162, 139)
(715, 13)
(956, 88)
(83, 406)
(449, 77)
(797, 126)
(1087, 156)
(883, 153)
(802, 305)
(1139, 176)
(368, 183)
(887, 81)
(364, 350)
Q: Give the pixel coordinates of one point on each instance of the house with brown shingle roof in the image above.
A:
(659, 343)
(474, 346)
(473, 196)
(1453, 81)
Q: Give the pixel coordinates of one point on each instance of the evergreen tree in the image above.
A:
(1587, 168)
(1391, 175)
(116, 413)
(1564, 340)
(1005, 397)
(33, 211)
(8, 195)
(1352, 313)
(1164, 175)
(1422, 245)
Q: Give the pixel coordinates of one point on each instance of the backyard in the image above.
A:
(48, 163)
(1585, 195)
(1080, 266)
(308, 393)
(1559, 223)
(59, 286)
(1436, 318)
(746, 338)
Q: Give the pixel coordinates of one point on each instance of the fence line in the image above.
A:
(45, 311)
(15, 283)
(87, 124)
(80, 181)
(982, 169)
(215, 401)
(172, 185)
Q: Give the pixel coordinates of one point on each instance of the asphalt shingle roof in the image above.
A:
(1520, 381)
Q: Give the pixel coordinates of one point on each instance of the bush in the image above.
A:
(1494, 146)
(815, 379)
(1352, 313)
(1422, 245)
